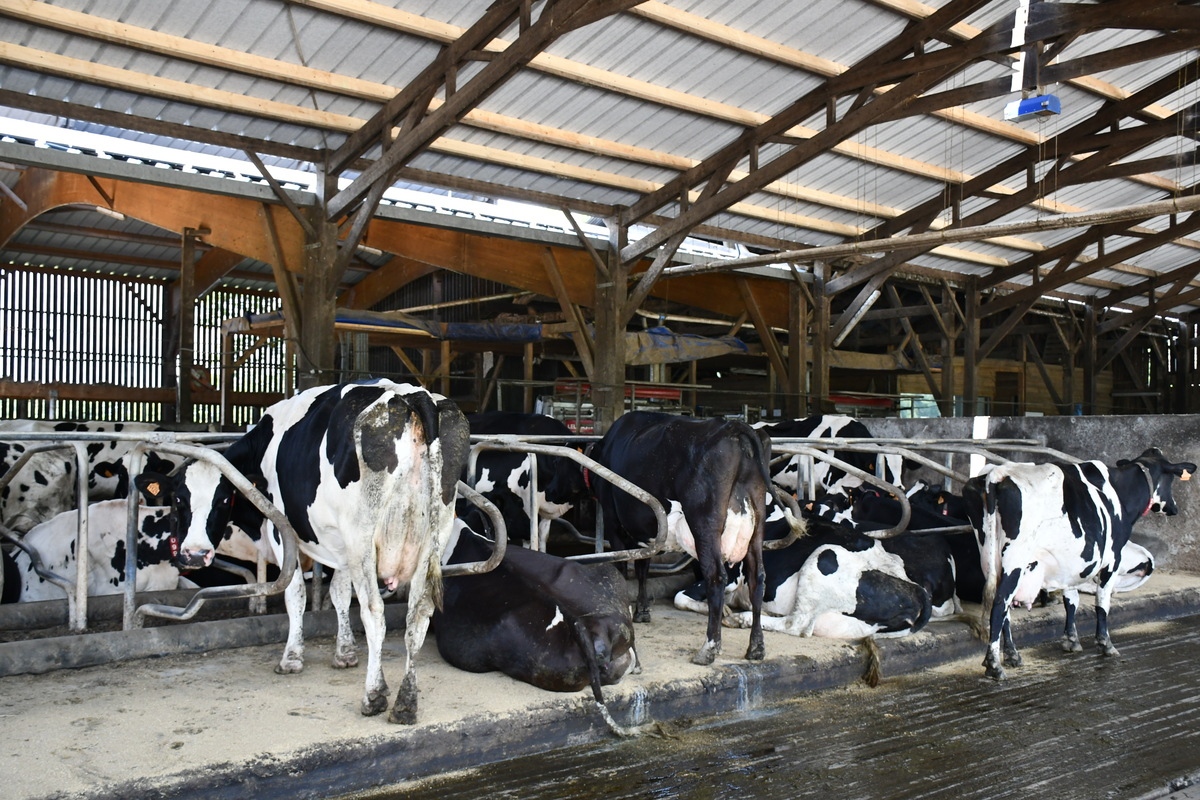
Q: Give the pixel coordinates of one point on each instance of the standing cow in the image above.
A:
(1060, 526)
(711, 477)
(46, 484)
(504, 477)
(366, 474)
(831, 479)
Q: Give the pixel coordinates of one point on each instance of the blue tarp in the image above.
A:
(663, 346)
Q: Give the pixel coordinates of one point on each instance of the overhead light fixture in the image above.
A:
(1044, 105)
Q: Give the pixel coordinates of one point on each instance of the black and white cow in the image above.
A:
(836, 582)
(711, 478)
(366, 474)
(830, 478)
(504, 477)
(1060, 526)
(545, 620)
(54, 542)
(46, 485)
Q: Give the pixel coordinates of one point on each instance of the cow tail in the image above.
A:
(589, 657)
(989, 549)
(874, 673)
(433, 582)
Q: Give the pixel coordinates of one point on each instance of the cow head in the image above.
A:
(204, 505)
(1159, 473)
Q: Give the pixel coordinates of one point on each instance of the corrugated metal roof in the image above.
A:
(676, 81)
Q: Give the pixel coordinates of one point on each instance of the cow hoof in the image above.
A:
(345, 660)
(289, 667)
(1071, 645)
(707, 654)
(1108, 650)
(756, 652)
(1013, 660)
(995, 673)
(404, 712)
(642, 615)
(374, 703)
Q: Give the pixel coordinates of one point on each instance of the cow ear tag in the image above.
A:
(153, 489)
(1186, 476)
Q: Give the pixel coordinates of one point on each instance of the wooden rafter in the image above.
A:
(811, 102)
(1060, 174)
(421, 125)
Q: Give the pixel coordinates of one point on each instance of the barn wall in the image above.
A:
(1174, 541)
(1035, 396)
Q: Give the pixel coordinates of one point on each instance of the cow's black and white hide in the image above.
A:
(55, 543)
(366, 474)
(835, 582)
(1137, 564)
(504, 477)
(711, 478)
(830, 478)
(1060, 527)
(545, 620)
(46, 485)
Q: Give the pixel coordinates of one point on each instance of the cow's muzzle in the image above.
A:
(195, 559)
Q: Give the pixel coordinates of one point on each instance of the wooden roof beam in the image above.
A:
(780, 123)
(1105, 117)
(422, 126)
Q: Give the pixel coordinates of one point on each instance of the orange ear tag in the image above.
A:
(1186, 476)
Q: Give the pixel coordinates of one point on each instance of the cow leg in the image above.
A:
(344, 654)
(1011, 657)
(641, 570)
(1103, 642)
(714, 582)
(420, 611)
(1070, 640)
(293, 652)
(370, 602)
(756, 579)
(1000, 627)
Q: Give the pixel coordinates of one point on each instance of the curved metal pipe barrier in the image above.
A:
(290, 558)
(659, 545)
(498, 548)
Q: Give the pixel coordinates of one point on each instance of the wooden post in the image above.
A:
(1182, 374)
(971, 350)
(797, 358)
(527, 394)
(187, 326)
(608, 384)
(315, 354)
(1089, 360)
(949, 340)
(821, 339)
(1187, 365)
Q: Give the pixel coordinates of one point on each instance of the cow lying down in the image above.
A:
(833, 582)
(54, 542)
(545, 620)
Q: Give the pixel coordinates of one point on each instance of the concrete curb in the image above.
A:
(348, 766)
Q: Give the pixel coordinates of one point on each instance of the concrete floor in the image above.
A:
(222, 724)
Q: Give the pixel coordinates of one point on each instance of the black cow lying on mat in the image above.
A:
(548, 621)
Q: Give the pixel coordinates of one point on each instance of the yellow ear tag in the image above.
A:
(1186, 476)
(153, 488)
